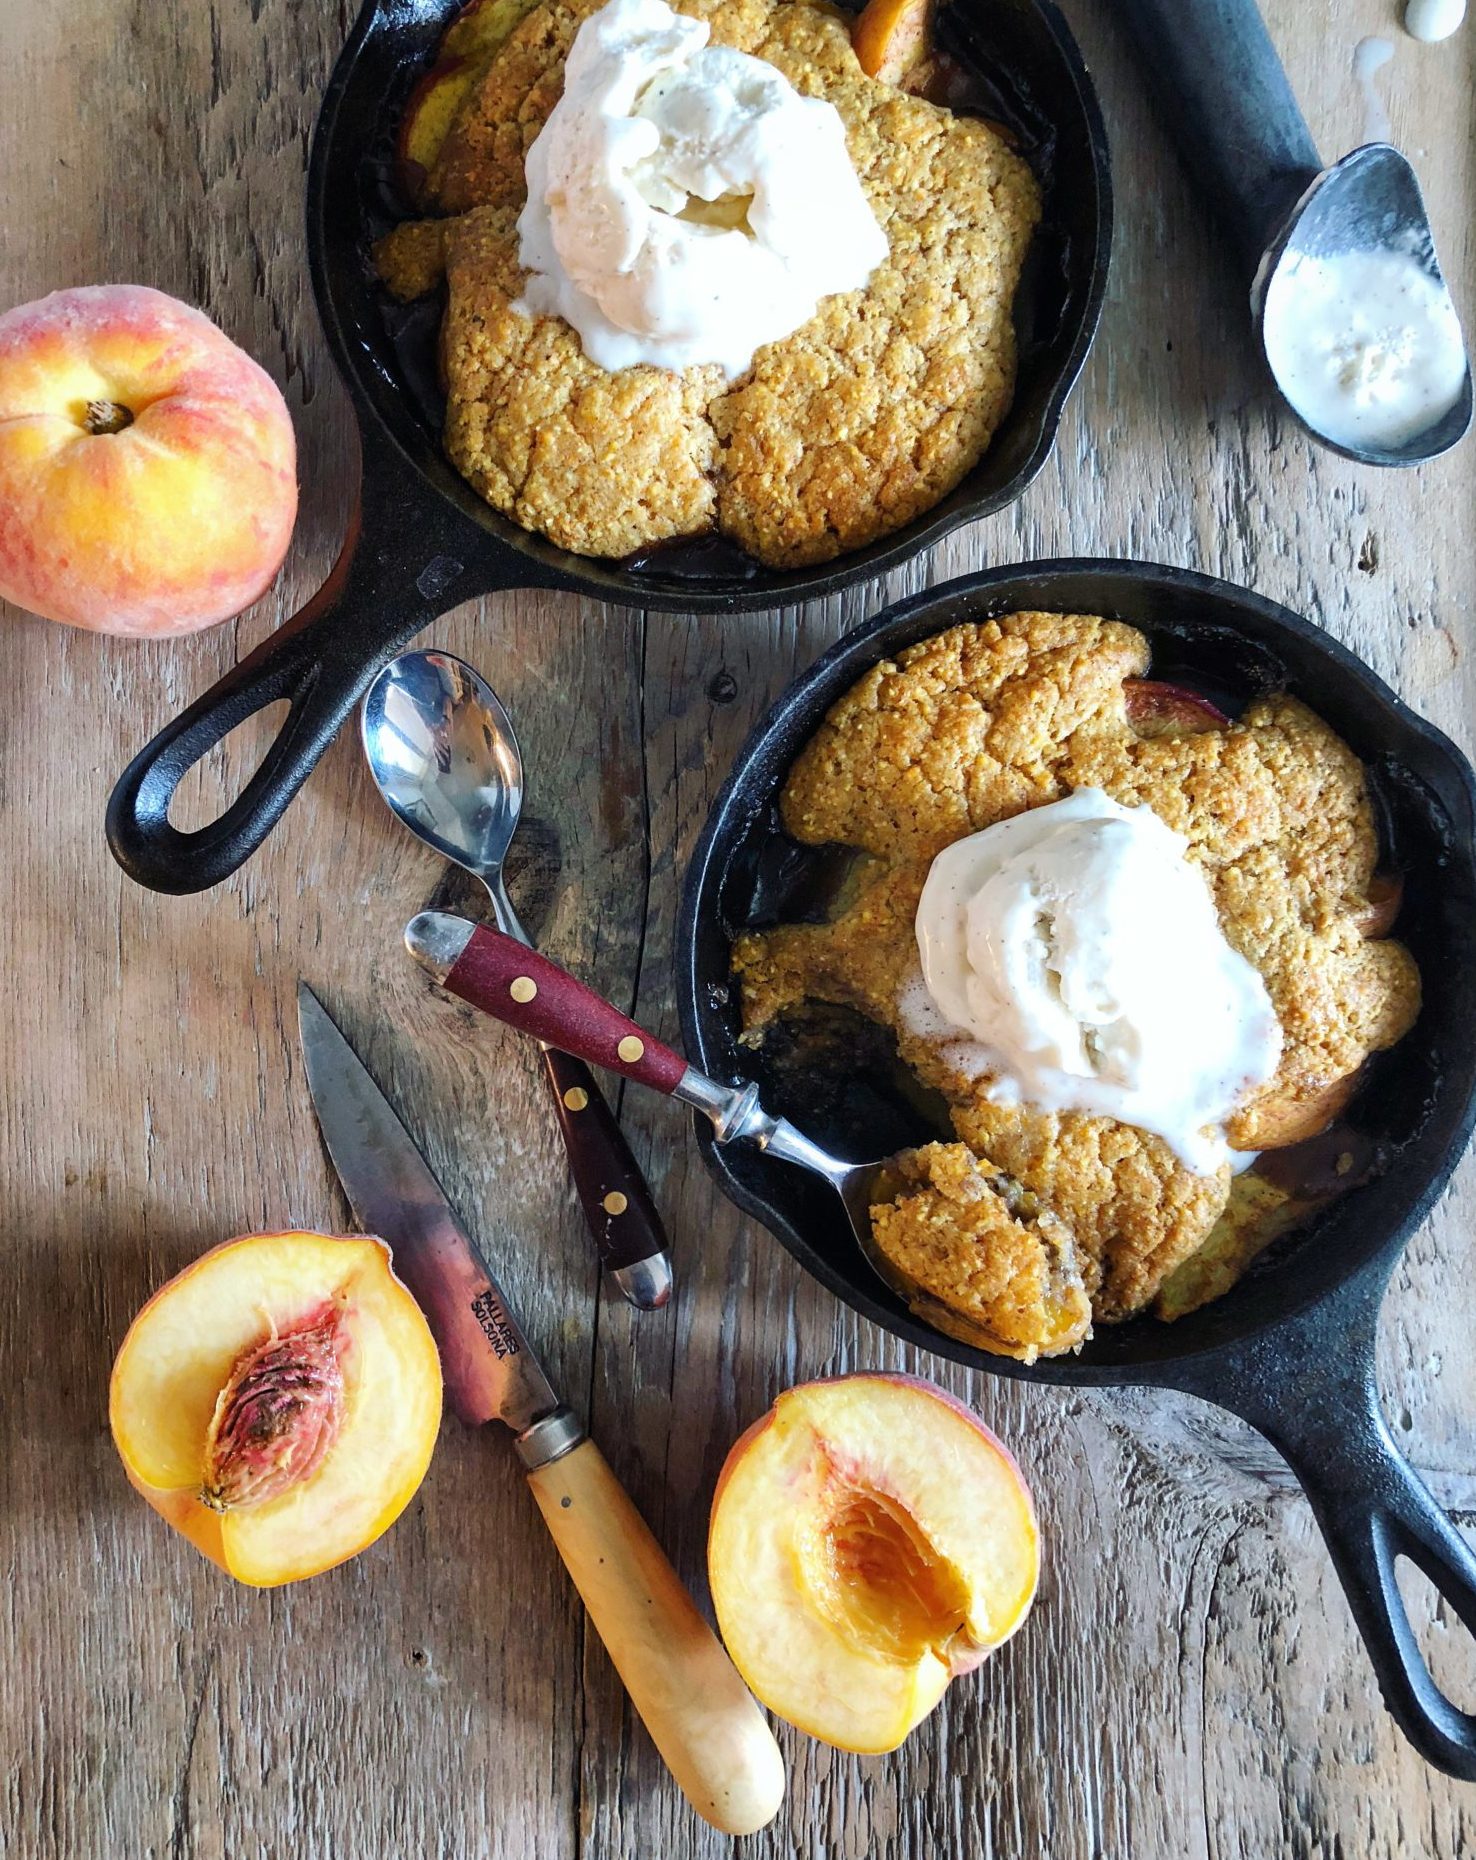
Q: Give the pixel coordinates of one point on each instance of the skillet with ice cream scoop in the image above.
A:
(421, 541)
(1290, 1348)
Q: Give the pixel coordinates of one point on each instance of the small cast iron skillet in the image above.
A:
(422, 541)
(1291, 1347)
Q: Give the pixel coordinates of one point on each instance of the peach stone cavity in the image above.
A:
(871, 1540)
(277, 1402)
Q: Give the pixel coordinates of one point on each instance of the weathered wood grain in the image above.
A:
(1190, 1684)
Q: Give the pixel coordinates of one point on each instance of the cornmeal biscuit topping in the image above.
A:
(974, 726)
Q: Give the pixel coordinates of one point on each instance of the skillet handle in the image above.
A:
(1310, 1390)
(390, 580)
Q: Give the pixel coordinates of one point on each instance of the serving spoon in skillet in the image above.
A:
(443, 755)
(495, 973)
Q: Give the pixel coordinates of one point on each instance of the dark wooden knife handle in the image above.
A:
(519, 987)
(622, 1217)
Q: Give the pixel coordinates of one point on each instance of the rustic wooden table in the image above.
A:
(1190, 1683)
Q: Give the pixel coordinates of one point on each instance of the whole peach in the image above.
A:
(148, 470)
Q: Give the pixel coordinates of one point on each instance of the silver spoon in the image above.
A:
(1370, 201)
(527, 991)
(442, 752)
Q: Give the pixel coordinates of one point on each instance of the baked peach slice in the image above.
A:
(871, 1540)
(893, 38)
(1293, 1111)
(278, 1401)
(430, 110)
(1384, 902)
(1155, 708)
(476, 32)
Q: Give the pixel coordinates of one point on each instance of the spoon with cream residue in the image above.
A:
(1351, 308)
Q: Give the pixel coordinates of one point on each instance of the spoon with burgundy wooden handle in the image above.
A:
(528, 992)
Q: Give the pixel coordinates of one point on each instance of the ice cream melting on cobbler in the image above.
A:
(1076, 953)
(686, 205)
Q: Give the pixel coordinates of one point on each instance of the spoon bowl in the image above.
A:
(1229, 104)
(444, 755)
(1369, 202)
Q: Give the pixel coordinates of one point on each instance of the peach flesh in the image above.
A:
(871, 1540)
(148, 474)
(892, 37)
(429, 113)
(1158, 709)
(872, 1569)
(190, 1346)
(474, 34)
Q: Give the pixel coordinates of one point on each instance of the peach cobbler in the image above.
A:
(704, 274)
(1130, 942)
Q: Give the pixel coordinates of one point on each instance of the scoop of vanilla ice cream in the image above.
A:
(686, 204)
(1079, 949)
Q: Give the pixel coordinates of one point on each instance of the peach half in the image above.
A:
(871, 1540)
(278, 1401)
(148, 469)
(893, 38)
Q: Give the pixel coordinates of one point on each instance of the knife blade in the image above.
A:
(490, 1371)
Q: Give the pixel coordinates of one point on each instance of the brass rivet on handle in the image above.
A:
(576, 1097)
(615, 1202)
(630, 1049)
(522, 988)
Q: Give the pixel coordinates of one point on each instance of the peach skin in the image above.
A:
(148, 469)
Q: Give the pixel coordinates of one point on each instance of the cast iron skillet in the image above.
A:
(422, 541)
(1291, 1347)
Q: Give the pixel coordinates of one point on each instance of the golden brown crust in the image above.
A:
(966, 728)
(1133, 1208)
(993, 717)
(1012, 1276)
(847, 429)
(595, 461)
(411, 258)
(876, 409)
